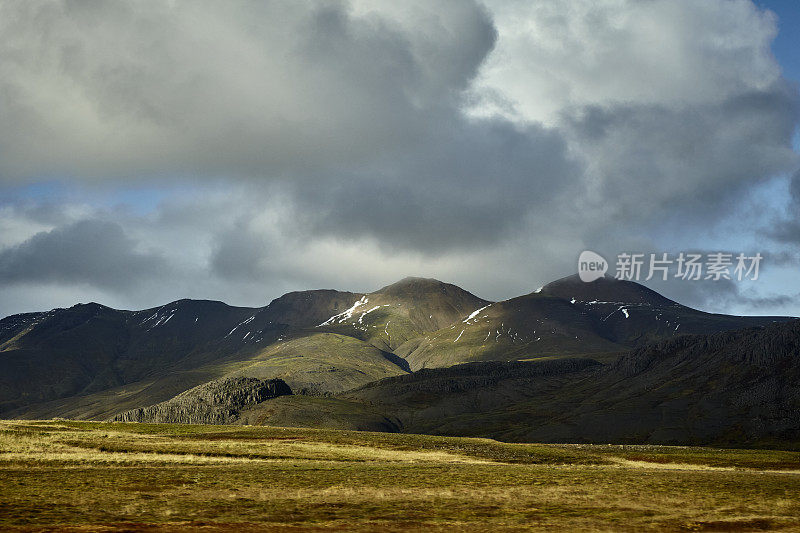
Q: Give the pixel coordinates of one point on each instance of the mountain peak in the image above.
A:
(89, 305)
(605, 289)
(413, 284)
(426, 288)
(308, 308)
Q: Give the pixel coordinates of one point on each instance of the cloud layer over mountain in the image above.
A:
(284, 145)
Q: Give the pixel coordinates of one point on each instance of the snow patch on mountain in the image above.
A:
(346, 315)
(474, 314)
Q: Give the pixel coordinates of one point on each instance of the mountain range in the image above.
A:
(609, 360)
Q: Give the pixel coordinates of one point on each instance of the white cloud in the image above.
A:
(555, 55)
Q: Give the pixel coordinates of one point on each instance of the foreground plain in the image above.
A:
(92, 476)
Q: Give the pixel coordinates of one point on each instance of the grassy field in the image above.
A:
(87, 476)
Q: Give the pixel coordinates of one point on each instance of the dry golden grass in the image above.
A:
(97, 476)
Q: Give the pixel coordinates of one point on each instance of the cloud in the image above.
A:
(345, 144)
(241, 88)
(471, 185)
(92, 252)
(362, 104)
(649, 161)
(675, 107)
(786, 227)
(555, 55)
(770, 302)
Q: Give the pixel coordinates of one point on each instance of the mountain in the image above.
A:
(91, 361)
(526, 327)
(731, 388)
(631, 314)
(405, 310)
(568, 317)
(305, 309)
(318, 362)
(89, 347)
(605, 289)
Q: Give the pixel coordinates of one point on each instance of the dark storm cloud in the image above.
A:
(239, 254)
(725, 295)
(358, 109)
(270, 90)
(471, 184)
(355, 109)
(700, 294)
(93, 252)
(651, 161)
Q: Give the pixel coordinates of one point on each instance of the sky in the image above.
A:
(235, 151)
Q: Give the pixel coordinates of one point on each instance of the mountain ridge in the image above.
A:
(91, 361)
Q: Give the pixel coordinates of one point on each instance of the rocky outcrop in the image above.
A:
(215, 402)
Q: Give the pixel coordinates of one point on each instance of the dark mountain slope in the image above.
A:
(91, 348)
(631, 314)
(61, 353)
(605, 289)
(14, 325)
(187, 333)
(735, 387)
(92, 361)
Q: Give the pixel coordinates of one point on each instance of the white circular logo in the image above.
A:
(591, 266)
